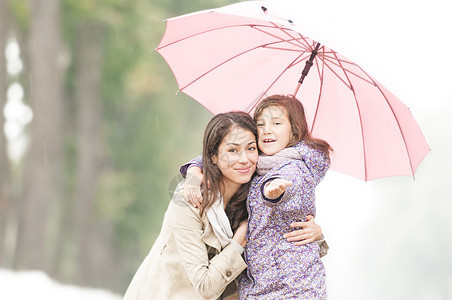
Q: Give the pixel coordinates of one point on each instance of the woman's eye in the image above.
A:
(259, 125)
(277, 123)
(252, 148)
(232, 150)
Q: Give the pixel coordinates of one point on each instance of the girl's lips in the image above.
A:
(268, 140)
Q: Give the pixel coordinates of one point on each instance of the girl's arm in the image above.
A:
(208, 276)
(192, 172)
(279, 192)
(195, 162)
(316, 161)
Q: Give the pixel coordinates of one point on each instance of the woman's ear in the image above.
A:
(214, 159)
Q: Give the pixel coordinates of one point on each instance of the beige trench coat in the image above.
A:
(186, 261)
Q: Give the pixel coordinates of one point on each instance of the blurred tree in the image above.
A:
(95, 251)
(43, 166)
(5, 181)
(107, 136)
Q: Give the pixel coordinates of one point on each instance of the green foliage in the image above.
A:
(20, 11)
(149, 131)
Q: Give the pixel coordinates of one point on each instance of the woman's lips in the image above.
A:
(243, 170)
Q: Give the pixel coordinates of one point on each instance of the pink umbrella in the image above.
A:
(232, 57)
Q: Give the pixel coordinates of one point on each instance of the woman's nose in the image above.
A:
(243, 158)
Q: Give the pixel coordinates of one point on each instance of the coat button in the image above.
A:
(228, 273)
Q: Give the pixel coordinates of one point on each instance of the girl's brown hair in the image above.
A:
(218, 127)
(295, 113)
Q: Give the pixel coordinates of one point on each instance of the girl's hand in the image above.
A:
(275, 188)
(309, 232)
(192, 186)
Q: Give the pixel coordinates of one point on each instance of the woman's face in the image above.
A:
(274, 130)
(237, 156)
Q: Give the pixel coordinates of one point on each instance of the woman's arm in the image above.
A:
(308, 232)
(209, 277)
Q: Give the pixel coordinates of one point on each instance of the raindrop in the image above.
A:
(14, 67)
(15, 109)
(12, 50)
(12, 55)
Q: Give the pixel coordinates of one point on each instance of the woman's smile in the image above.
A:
(243, 170)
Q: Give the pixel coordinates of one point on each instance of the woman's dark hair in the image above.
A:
(218, 127)
(295, 112)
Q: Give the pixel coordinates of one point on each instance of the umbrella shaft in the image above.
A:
(308, 66)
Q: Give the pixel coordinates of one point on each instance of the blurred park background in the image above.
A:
(93, 135)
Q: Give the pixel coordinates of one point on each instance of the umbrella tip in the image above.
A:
(264, 9)
(290, 21)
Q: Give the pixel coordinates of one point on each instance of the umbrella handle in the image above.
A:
(307, 66)
(309, 63)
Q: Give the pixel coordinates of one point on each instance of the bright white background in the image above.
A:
(392, 238)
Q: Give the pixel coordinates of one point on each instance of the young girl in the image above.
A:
(291, 164)
(281, 195)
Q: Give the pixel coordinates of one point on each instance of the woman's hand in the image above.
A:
(192, 186)
(309, 232)
(240, 234)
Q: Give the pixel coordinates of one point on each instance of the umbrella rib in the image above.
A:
(300, 45)
(348, 70)
(331, 69)
(284, 49)
(397, 120)
(360, 121)
(215, 29)
(274, 81)
(336, 58)
(285, 31)
(320, 90)
(227, 60)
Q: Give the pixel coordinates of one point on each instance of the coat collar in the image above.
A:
(208, 236)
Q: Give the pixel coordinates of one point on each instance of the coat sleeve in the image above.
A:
(195, 162)
(316, 161)
(208, 277)
(299, 198)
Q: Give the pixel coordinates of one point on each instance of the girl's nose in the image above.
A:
(266, 128)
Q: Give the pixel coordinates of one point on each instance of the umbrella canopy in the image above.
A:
(231, 58)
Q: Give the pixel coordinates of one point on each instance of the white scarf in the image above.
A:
(266, 162)
(220, 223)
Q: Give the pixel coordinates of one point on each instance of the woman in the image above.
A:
(198, 251)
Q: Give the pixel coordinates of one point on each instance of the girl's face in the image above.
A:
(237, 157)
(274, 130)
